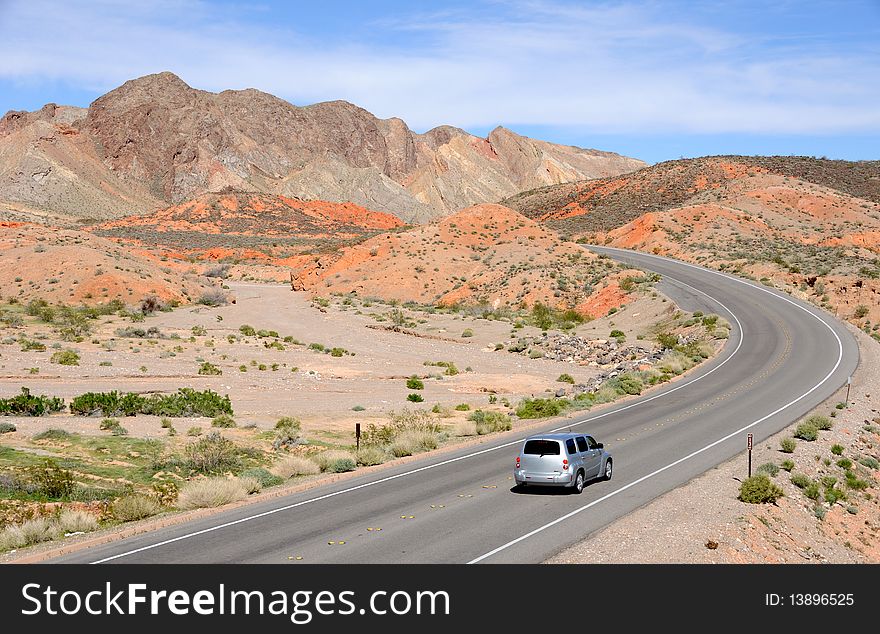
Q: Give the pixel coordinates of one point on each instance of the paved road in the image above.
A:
(783, 358)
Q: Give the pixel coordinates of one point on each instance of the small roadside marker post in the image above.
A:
(750, 455)
(357, 436)
(848, 386)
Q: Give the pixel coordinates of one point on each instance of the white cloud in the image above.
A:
(613, 69)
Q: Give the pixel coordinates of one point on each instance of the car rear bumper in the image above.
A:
(547, 479)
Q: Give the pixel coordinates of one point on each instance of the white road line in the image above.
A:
(698, 451)
(451, 460)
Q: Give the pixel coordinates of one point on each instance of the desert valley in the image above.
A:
(203, 295)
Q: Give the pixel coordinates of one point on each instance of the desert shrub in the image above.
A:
(52, 481)
(247, 331)
(185, 402)
(869, 462)
(211, 492)
(541, 407)
(807, 431)
(34, 531)
(291, 466)
(488, 422)
(833, 495)
(336, 461)
(113, 426)
(465, 428)
(358, 408)
(800, 480)
(26, 404)
(415, 397)
(209, 369)
(759, 489)
(213, 454)
(787, 445)
(370, 455)
(417, 441)
(812, 491)
(565, 378)
(467, 333)
(6, 428)
(251, 485)
(788, 465)
(151, 304)
(220, 271)
(854, 482)
(73, 521)
(837, 450)
(65, 357)
(462, 407)
(667, 340)
(768, 468)
(194, 431)
(287, 433)
(224, 421)
(53, 434)
(449, 367)
(626, 384)
(415, 383)
(134, 507)
(213, 297)
(135, 332)
(820, 422)
(265, 477)
(403, 421)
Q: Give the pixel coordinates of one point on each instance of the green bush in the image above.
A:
(820, 422)
(414, 398)
(265, 477)
(837, 450)
(626, 384)
(334, 461)
(768, 468)
(541, 407)
(224, 421)
(615, 334)
(6, 428)
(807, 431)
(759, 490)
(788, 465)
(467, 333)
(415, 383)
(65, 357)
(869, 462)
(812, 491)
(209, 369)
(134, 507)
(52, 434)
(247, 331)
(291, 466)
(26, 404)
(845, 463)
(213, 454)
(833, 495)
(801, 480)
(462, 407)
(788, 445)
(488, 422)
(185, 402)
(667, 340)
(854, 482)
(52, 481)
(566, 378)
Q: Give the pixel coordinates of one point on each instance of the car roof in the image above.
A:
(564, 436)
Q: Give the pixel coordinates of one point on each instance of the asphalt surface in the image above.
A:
(783, 358)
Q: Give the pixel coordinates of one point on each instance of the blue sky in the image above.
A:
(656, 80)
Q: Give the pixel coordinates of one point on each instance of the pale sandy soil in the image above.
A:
(677, 527)
(317, 388)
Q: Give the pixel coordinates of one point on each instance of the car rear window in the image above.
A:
(542, 447)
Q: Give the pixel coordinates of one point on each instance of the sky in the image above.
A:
(653, 79)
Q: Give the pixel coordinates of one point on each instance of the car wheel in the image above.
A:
(608, 470)
(579, 482)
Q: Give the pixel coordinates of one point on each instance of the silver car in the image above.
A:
(563, 460)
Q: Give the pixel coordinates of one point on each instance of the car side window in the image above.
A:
(569, 444)
(582, 444)
(592, 442)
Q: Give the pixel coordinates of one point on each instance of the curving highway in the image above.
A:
(783, 358)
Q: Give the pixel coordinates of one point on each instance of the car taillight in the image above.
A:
(565, 465)
(517, 462)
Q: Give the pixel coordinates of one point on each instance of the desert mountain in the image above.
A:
(485, 254)
(774, 219)
(65, 266)
(156, 141)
